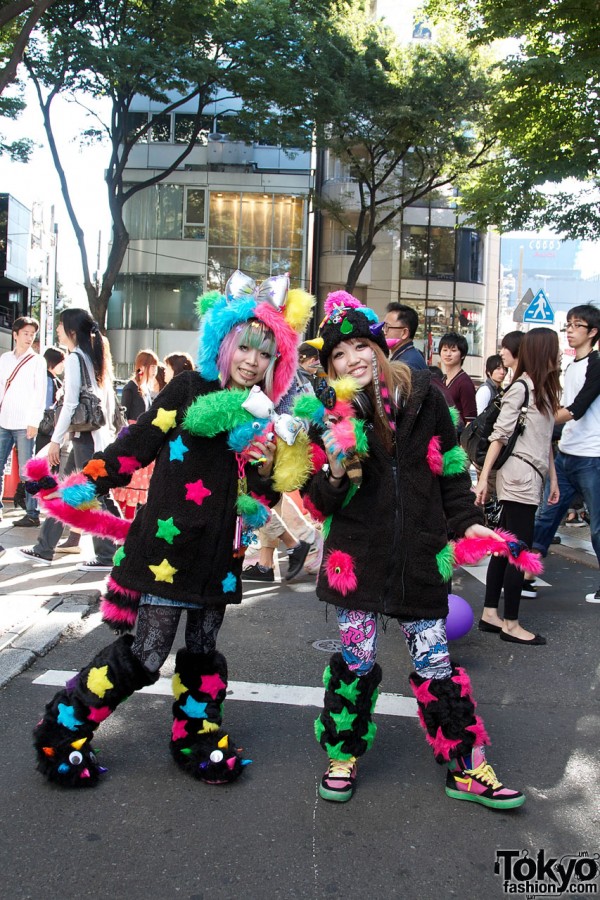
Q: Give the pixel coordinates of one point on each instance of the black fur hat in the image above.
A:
(346, 317)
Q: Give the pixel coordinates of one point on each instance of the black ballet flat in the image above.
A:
(487, 626)
(537, 640)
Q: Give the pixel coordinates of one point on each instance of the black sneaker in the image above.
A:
(95, 566)
(297, 558)
(257, 573)
(556, 539)
(30, 554)
(27, 522)
(529, 589)
(593, 598)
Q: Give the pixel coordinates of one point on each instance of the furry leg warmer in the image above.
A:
(198, 743)
(62, 739)
(345, 727)
(447, 714)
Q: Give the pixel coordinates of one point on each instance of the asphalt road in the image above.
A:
(149, 831)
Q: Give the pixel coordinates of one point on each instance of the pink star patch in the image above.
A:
(423, 694)
(212, 684)
(99, 714)
(179, 730)
(442, 745)
(197, 492)
(478, 729)
(128, 464)
(463, 680)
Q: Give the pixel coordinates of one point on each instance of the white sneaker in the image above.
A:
(593, 598)
(94, 566)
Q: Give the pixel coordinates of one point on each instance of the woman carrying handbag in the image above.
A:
(520, 481)
(78, 331)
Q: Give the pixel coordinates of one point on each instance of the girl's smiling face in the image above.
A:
(355, 358)
(248, 366)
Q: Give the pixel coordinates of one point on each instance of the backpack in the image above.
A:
(475, 437)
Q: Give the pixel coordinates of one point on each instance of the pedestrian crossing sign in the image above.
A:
(539, 310)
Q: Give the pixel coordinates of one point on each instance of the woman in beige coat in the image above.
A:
(520, 480)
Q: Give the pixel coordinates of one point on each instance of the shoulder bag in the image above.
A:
(88, 414)
(475, 438)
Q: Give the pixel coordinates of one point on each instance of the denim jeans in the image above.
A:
(9, 438)
(576, 475)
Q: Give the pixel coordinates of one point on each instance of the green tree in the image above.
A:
(546, 114)
(407, 121)
(173, 52)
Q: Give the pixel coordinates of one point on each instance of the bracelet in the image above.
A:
(331, 477)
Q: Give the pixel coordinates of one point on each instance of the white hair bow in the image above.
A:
(273, 290)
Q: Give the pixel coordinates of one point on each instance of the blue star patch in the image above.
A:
(177, 450)
(229, 583)
(66, 717)
(194, 709)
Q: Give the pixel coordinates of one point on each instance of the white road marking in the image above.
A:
(285, 694)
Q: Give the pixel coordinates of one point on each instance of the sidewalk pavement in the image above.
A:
(38, 603)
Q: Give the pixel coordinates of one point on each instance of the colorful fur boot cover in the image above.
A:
(198, 743)
(63, 737)
(345, 727)
(447, 714)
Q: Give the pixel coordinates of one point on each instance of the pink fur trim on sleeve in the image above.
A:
(343, 432)
(116, 615)
(312, 510)
(435, 460)
(471, 550)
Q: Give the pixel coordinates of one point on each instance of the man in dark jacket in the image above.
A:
(400, 325)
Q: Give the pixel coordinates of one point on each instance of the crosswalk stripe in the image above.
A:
(251, 692)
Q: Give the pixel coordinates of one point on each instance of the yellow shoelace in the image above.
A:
(485, 773)
(341, 768)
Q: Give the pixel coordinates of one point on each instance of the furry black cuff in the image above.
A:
(345, 726)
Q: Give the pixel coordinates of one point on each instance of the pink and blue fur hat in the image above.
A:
(285, 312)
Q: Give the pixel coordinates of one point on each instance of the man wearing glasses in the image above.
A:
(578, 457)
(400, 325)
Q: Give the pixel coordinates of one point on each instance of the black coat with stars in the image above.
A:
(180, 544)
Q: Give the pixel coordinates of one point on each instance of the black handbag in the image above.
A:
(88, 414)
(46, 426)
(475, 438)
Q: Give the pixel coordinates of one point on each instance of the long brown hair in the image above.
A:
(143, 361)
(538, 358)
(396, 376)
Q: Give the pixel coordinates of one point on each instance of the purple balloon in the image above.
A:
(460, 617)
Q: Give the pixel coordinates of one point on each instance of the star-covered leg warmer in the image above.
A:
(446, 710)
(198, 743)
(62, 739)
(345, 727)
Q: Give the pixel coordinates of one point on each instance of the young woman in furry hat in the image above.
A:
(386, 522)
(218, 462)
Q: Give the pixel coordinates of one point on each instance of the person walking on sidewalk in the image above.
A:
(22, 404)
(384, 555)
(520, 481)
(78, 331)
(578, 457)
(215, 474)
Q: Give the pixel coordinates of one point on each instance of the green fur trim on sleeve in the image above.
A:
(445, 562)
(454, 415)
(455, 461)
(326, 527)
(349, 494)
(211, 414)
(362, 442)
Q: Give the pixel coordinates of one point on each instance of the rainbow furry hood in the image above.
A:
(286, 312)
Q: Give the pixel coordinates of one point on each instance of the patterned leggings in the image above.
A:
(157, 627)
(425, 638)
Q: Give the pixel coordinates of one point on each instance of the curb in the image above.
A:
(36, 636)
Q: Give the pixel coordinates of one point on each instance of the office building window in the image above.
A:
(414, 251)
(441, 252)
(168, 211)
(161, 129)
(137, 120)
(184, 128)
(470, 247)
(261, 234)
(154, 301)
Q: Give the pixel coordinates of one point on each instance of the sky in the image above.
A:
(37, 180)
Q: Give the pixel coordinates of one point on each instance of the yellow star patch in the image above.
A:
(208, 726)
(165, 419)
(179, 687)
(164, 572)
(98, 682)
